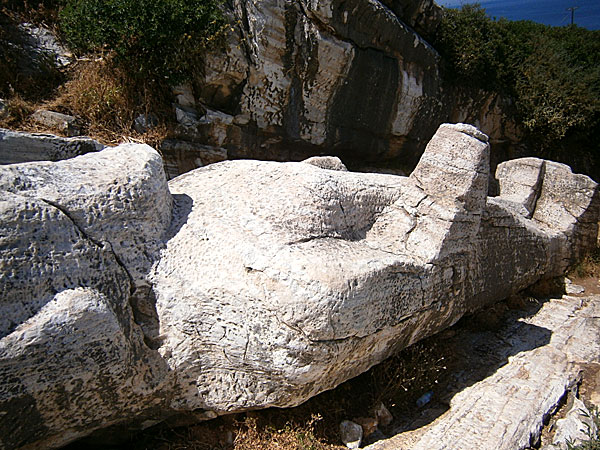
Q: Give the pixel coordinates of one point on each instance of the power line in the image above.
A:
(572, 9)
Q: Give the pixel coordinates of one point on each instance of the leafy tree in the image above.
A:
(472, 46)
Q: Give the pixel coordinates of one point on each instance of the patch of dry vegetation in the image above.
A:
(589, 265)
(107, 100)
(104, 98)
(125, 65)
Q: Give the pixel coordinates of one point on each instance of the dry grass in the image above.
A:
(588, 267)
(104, 97)
(251, 431)
(253, 435)
(105, 100)
(98, 94)
(18, 111)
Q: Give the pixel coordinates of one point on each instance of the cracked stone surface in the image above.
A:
(310, 277)
(353, 78)
(118, 197)
(508, 408)
(308, 77)
(75, 238)
(248, 284)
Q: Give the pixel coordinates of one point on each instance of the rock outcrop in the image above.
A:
(542, 357)
(17, 147)
(248, 284)
(76, 238)
(304, 78)
(32, 57)
(357, 79)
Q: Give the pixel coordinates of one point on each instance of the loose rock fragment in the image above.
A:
(62, 122)
(351, 434)
(384, 416)
(368, 424)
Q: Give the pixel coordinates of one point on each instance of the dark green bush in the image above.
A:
(473, 46)
(558, 83)
(151, 38)
(552, 73)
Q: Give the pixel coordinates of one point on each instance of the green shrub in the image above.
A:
(473, 46)
(558, 86)
(552, 73)
(151, 38)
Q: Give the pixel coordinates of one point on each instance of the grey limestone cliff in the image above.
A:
(357, 79)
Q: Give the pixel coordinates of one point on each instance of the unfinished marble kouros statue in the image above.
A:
(248, 284)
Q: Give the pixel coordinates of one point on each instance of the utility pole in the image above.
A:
(572, 9)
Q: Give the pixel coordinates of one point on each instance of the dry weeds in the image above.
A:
(104, 99)
(589, 265)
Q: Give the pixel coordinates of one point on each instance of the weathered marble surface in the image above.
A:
(17, 147)
(248, 284)
(301, 78)
(359, 266)
(357, 79)
(76, 237)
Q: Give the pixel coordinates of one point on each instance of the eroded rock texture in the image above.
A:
(301, 78)
(353, 78)
(359, 266)
(17, 147)
(76, 238)
(542, 356)
(248, 284)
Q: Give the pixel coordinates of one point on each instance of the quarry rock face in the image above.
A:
(303, 78)
(248, 284)
(357, 79)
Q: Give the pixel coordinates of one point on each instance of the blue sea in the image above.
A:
(549, 12)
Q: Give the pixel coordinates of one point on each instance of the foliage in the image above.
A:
(36, 11)
(150, 38)
(256, 435)
(589, 266)
(24, 6)
(558, 85)
(552, 73)
(107, 98)
(593, 441)
(473, 46)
